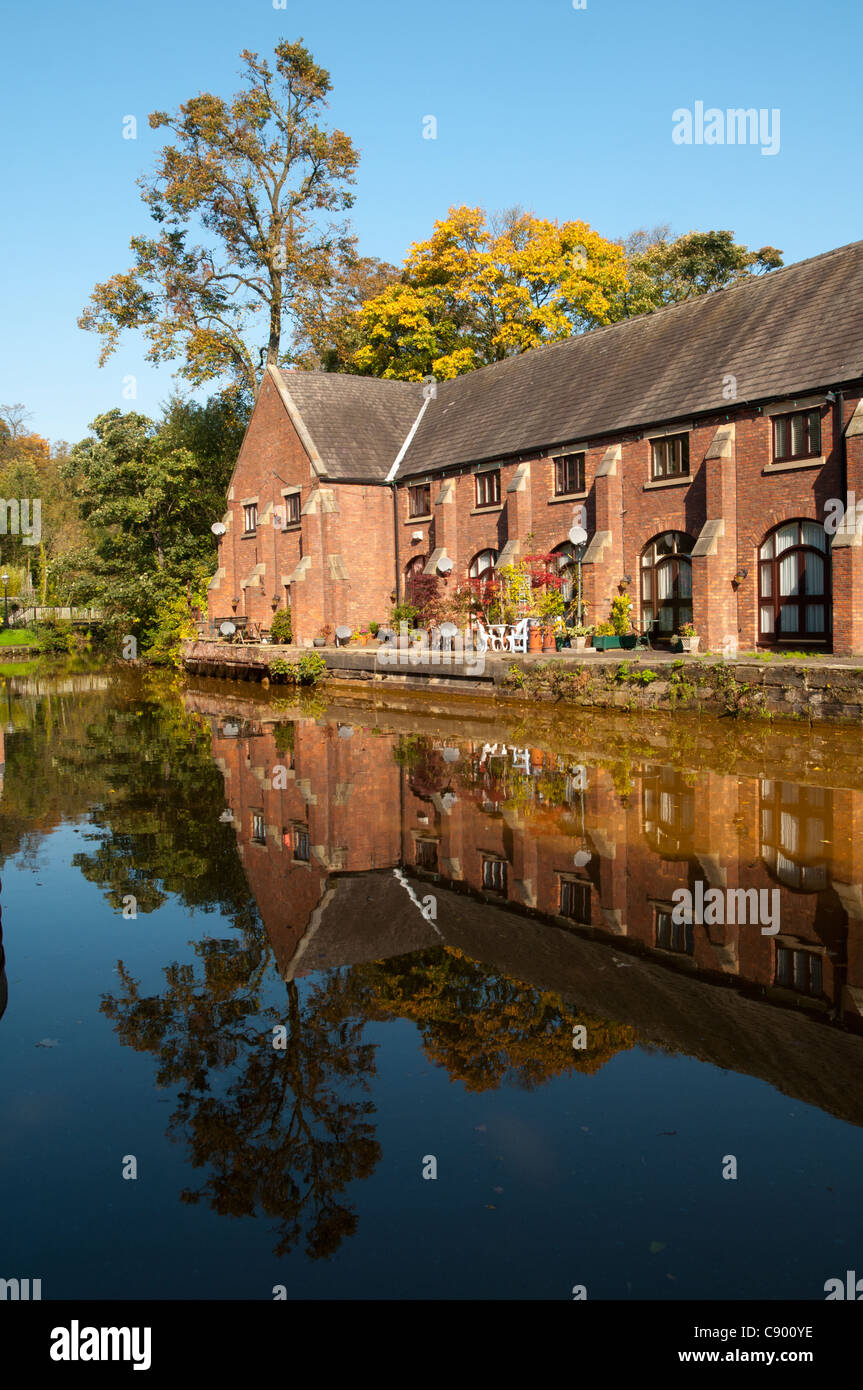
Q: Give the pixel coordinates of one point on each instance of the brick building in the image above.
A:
(708, 448)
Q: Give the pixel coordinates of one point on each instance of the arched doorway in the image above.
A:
(413, 571)
(666, 583)
(794, 592)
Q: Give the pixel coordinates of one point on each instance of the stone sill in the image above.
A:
(570, 497)
(667, 482)
(487, 511)
(248, 535)
(793, 464)
(417, 520)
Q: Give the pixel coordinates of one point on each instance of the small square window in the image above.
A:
(797, 435)
(670, 456)
(250, 518)
(292, 509)
(302, 847)
(673, 936)
(575, 900)
(488, 488)
(426, 854)
(420, 499)
(258, 832)
(494, 875)
(568, 474)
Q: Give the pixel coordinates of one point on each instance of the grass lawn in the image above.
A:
(17, 637)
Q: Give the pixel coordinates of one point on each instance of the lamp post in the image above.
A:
(4, 576)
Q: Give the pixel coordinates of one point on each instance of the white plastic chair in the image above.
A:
(516, 639)
(491, 639)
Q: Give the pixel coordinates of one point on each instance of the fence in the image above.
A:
(24, 616)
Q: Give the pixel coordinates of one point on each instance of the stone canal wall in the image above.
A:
(757, 687)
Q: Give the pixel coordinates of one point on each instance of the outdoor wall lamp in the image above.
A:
(275, 601)
(235, 603)
(740, 576)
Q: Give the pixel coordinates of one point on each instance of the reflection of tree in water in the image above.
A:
(483, 1027)
(282, 1133)
(277, 1130)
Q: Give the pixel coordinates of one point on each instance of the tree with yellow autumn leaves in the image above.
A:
(482, 289)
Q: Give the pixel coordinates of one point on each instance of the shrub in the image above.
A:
(403, 613)
(281, 627)
(620, 607)
(310, 668)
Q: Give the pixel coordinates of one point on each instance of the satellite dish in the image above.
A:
(227, 629)
(218, 528)
(578, 535)
(343, 633)
(581, 858)
(345, 731)
(444, 564)
(448, 629)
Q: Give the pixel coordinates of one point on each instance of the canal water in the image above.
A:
(397, 1000)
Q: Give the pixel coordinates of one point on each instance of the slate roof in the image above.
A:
(357, 423)
(786, 332)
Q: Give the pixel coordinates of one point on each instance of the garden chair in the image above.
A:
(516, 638)
(492, 640)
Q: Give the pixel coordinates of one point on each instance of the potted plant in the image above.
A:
(688, 637)
(551, 615)
(578, 636)
(534, 635)
(281, 629)
(374, 629)
(324, 636)
(604, 637)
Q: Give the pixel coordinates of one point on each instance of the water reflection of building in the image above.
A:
(562, 877)
(599, 849)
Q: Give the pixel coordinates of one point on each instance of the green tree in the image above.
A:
(662, 269)
(262, 180)
(148, 494)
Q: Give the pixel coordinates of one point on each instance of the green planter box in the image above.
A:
(607, 644)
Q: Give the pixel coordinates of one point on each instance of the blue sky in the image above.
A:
(567, 112)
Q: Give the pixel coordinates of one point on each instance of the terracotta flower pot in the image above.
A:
(534, 639)
(548, 642)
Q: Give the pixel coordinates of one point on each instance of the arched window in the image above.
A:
(794, 602)
(481, 563)
(666, 582)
